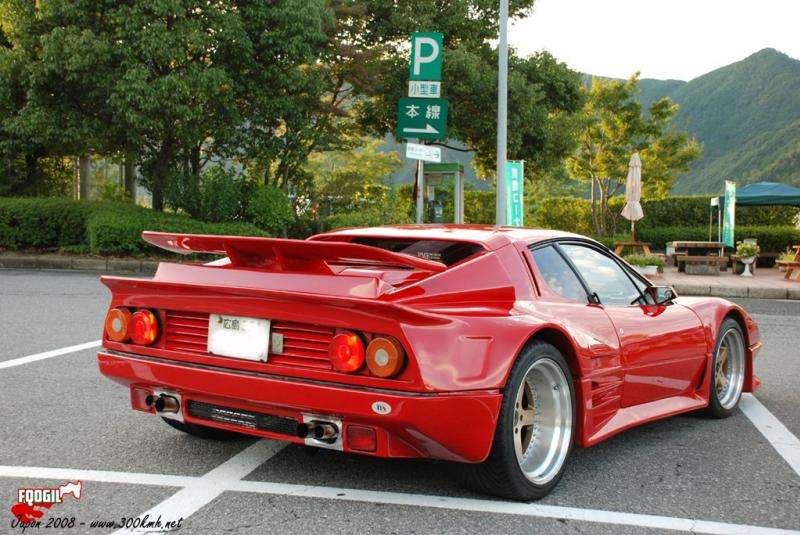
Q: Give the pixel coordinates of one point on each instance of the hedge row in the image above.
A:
(96, 227)
(575, 215)
(771, 239)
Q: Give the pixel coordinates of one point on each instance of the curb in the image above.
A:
(77, 263)
(734, 292)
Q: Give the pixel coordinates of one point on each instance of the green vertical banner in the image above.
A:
(514, 200)
(729, 215)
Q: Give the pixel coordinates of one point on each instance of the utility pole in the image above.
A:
(502, 114)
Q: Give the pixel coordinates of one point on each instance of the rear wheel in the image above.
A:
(534, 434)
(727, 380)
(203, 431)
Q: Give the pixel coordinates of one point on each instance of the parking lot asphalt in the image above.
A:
(63, 421)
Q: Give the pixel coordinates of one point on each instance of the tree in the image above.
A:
(613, 127)
(27, 163)
(172, 83)
(350, 174)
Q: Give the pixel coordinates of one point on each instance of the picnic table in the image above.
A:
(701, 255)
(792, 264)
(699, 248)
(621, 245)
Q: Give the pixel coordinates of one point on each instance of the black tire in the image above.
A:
(202, 431)
(716, 406)
(501, 474)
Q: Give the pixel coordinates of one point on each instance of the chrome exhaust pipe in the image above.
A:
(318, 430)
(150, 400)
(326, 432)
(166, 404)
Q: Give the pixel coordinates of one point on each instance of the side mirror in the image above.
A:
(662, 295)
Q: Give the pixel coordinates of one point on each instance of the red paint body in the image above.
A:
(462, 327)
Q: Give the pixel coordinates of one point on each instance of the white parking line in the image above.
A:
(785, 443)
(509, 508)
(48, 354)
(199, 491)
(203, 490)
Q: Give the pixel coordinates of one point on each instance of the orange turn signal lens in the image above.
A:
(143, 328)
(346, 352)
(117, 322)
(385, 357)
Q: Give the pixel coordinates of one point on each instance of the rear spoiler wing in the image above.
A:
(277, 254)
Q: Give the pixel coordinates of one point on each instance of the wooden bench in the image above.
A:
(701, 265)
(790, 266)
(674, 257)
(620, 246)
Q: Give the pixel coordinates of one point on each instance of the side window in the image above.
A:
(603, 275)
(558, 274)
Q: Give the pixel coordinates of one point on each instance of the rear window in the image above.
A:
(446, 252)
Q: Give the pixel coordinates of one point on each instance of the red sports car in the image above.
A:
(499, 348)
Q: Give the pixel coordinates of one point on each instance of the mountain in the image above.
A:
(747, 115)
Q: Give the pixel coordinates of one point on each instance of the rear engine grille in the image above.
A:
(186, 331)
(304, 345)
(241, 418)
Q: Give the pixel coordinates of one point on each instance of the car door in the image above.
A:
(663, 346)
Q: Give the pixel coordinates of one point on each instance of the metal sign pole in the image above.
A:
(420, 189)
(502, 118)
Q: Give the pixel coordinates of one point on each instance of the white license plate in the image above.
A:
(238, 337)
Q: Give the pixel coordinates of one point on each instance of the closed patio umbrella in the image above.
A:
(633, 193)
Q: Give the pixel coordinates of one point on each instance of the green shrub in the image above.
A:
(693, 211)
(642, 260)
(217, 195)
(772, 239)
(575, 214)
(224, 195)
(120, 233)
(42, 223)
(270, 209)
(608, 241)
(100, 228)
(569, 214)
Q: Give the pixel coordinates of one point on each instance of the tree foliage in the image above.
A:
(543, 93)
(349, 174)
(177, 81)
(613, 127)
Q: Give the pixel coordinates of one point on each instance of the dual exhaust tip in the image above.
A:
(163, 403)
(321, 431)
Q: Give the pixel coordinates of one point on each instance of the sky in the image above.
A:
(677, 39)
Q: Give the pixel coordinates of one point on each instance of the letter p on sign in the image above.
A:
(426, 56)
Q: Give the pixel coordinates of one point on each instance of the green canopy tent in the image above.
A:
(766, 194)
(758, 194)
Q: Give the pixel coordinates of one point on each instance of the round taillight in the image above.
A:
(117, 323)
(143, 328)
(346, 352)
(385, 357)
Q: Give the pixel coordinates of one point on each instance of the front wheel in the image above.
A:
(534, 434)
(727, 380)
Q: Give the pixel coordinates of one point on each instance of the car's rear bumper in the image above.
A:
(452, 426)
